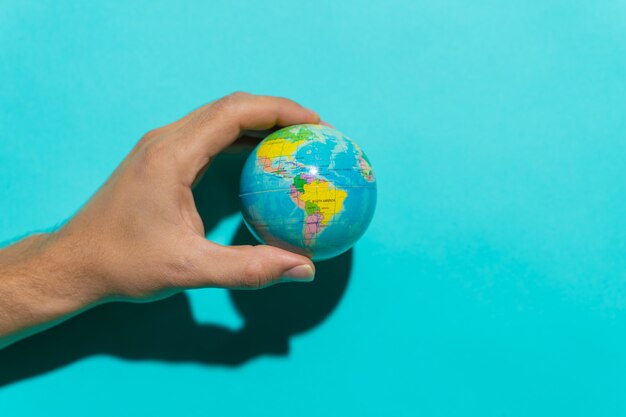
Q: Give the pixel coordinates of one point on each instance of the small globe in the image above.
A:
(308, 189)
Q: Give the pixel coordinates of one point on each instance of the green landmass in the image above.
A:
(311, 208)
(299, 182)
(302, 134)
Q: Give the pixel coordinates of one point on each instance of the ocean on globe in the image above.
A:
(308, 189)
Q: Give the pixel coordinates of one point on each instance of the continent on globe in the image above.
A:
(320, 201)
(309, 189)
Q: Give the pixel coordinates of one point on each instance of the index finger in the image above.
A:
(213, 127)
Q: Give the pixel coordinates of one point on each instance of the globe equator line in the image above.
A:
(287, 189)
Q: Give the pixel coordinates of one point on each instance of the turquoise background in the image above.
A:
(492, 281)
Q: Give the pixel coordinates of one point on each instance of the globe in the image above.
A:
(308, 189)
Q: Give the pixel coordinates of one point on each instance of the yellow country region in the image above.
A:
(327, 198)
(277, 147)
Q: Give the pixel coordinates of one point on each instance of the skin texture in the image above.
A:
(140, 237)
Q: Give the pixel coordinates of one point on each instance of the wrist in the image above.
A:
(61, 263)
(43, 282)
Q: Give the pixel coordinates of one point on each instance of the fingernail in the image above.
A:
(322, 122)
(300, 273)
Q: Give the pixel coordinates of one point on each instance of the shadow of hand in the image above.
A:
(165, 330)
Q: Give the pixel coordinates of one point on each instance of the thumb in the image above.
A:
(253, 266)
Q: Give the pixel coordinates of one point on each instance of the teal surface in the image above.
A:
(492, 280)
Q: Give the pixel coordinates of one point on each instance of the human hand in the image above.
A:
(142, 233)
(140, 236)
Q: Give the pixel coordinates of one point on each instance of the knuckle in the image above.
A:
(152, 153)
(149, 136)
(178, 271)
(255, 275)
(238, 95)
(230, 101)
(225, 108)
(180, 267)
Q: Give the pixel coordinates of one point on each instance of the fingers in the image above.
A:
(249, 267)
(211, 128)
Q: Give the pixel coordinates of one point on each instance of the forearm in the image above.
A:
(40, 286)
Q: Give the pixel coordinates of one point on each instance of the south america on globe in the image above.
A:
(308, 189)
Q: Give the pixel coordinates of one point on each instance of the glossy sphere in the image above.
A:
(308, 189)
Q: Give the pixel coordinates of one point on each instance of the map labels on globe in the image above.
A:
(308, 189)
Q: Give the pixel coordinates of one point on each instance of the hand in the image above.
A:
(140, 236)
